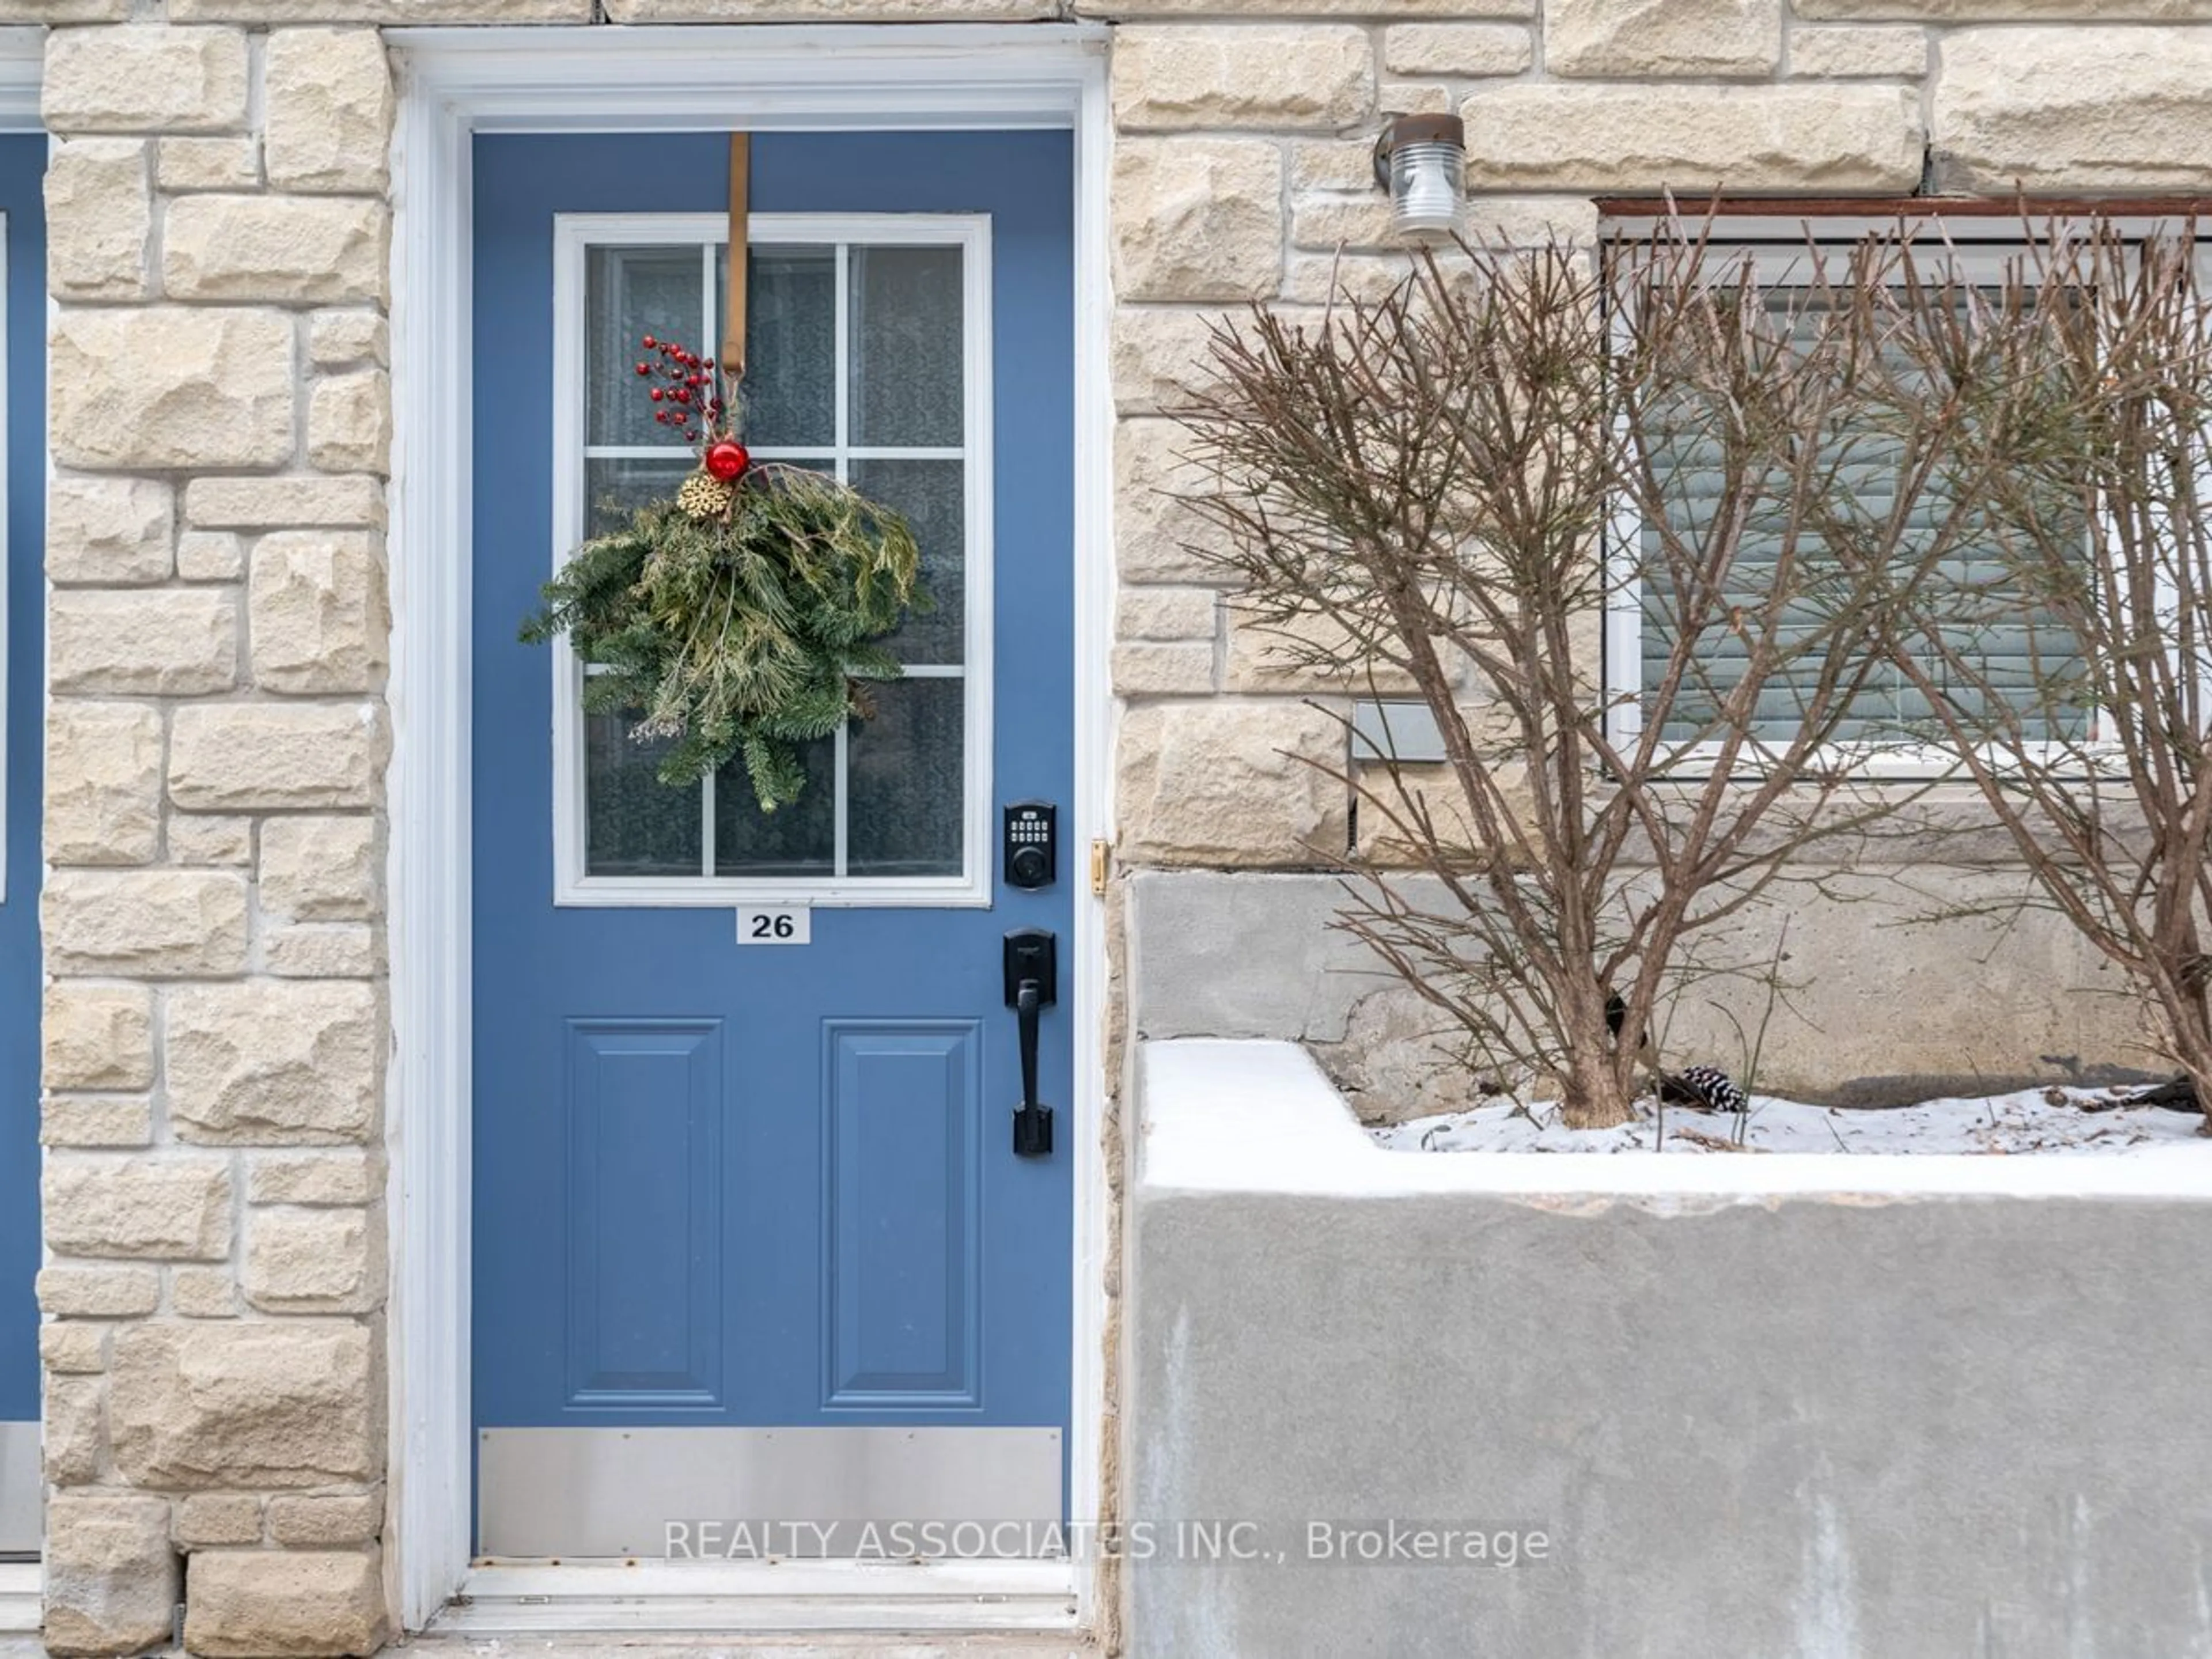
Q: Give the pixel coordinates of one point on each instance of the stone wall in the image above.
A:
(214, 1020)
(217, 1026)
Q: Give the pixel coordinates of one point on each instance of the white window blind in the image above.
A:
(2015, 643)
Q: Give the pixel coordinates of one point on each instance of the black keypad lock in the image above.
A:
(1032, 843)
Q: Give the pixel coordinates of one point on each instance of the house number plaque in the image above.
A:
(776, 924)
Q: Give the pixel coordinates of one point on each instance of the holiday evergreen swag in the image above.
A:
(740, 616)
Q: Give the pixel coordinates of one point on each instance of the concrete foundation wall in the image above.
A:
(1871, 1412)
(1878, 1006)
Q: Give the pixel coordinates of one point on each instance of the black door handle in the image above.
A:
(1027, 1002)
(1032, 968)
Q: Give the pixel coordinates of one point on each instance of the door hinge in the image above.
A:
(1101, 856)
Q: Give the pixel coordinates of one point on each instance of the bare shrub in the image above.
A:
(1462, 485)
(2070, 673)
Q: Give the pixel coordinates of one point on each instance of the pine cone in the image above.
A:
(1706, 1087)
(703, 495)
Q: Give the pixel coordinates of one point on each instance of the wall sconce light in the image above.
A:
(1420, 160)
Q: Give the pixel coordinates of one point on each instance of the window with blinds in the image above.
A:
(2016, 646)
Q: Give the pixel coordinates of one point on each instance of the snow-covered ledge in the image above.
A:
(1262, 1117)
(1823, 1407)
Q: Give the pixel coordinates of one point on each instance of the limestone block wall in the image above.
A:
(1242, 173)
(215, 1017)
(217, 1024)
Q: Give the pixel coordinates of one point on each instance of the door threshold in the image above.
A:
(19, 1597)
(536, 1597)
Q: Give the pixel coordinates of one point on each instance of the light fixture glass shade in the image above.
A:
(1424, 188)
(1421, 160)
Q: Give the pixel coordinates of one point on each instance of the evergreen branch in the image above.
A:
(740, 634)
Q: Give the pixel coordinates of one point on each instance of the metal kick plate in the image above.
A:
(572, 1492)
(22, 1490)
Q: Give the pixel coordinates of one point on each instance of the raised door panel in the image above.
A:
(902, 1220)
(647, 1243)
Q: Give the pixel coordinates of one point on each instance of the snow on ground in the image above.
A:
(2072, 1120)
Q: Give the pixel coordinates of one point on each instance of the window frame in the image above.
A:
(1779, 244)
(574, 235)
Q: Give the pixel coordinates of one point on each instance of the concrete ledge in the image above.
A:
(1817, 1407)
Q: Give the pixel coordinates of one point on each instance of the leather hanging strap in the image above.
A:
(733, 321)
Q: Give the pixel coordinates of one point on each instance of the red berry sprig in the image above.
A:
(683, 383)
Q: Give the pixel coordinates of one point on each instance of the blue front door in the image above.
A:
(728, 1185)
(22, 164)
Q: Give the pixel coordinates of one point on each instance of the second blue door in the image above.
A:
(23, 315)
(725, 1181)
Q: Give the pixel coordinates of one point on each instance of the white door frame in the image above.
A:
(456, 82)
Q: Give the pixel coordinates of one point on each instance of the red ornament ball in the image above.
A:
(727, 460)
